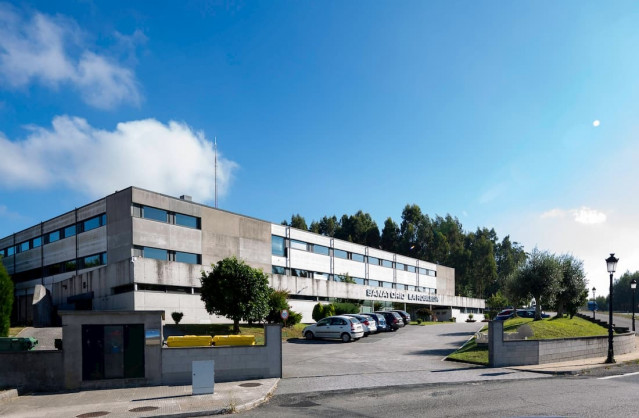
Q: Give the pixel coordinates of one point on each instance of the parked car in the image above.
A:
(504, 315)
(367, 322)
(343, 327)
(393, 319)
(522, 313)
(380, 320)
(405, 315)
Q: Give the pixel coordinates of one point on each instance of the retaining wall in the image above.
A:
(526, 352)
(32, 371)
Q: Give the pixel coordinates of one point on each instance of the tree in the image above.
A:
(390, 236)
(539, 277)
(235, 290)
(622, 293)
(297, 221)
(573, 290)
(6, 300)
(322, 311)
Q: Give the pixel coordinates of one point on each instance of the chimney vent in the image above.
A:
(186, 197)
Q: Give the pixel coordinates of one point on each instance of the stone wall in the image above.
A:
(32, 371)
(525, 352)
(231, 363)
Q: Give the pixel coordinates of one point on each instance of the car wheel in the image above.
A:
(346, 338)
(309, 335)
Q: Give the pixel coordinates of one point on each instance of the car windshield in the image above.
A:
(354, 320)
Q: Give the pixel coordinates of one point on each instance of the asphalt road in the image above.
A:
(412, 355)
(557, 396)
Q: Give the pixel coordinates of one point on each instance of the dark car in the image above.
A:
(380, 320)
(393, 319)
(405, 315)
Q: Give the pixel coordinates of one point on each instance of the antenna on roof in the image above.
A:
(215, 172)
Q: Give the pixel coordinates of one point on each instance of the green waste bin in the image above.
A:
(17, 344)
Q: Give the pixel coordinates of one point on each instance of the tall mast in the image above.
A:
(216, 172)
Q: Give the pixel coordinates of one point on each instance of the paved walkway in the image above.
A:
(153, 401)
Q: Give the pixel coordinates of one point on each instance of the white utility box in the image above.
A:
(203, 376)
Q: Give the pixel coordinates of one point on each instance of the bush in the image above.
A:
(177, 317)
(341, 308)
(453, 319)
(471, 316)
(424, 314)
(419, 321)
(294, 318)
(322, 311)
(277, 302)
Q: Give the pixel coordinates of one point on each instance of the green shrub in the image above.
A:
(424, 314)
(277, 302)
(6, 300)
(294, 318)
(419, 321)
(453, 319)
(341, 308)
(318, 312)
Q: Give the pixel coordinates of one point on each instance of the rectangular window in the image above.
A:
(373, 282)
(90, 224)
(24, 246)
(357, 257)
(37, 242)
(277, 246)
(189, 258)
(387, 284)
(432, 273)
(340, 254)
(70, 265)
(155, 253)
(387, 263)
(410, 288)
(373, 260)
(422, 271)
(300, 273)
(410, 269)
(91, 261)
(400, 266)
(11, 250)
(53, 269)
(358, 280)
(54, 236)
(298, 245)
(3, 252)
(155, 214)
(279, 270)
(188, 221)
(320, 249)
(69, 231)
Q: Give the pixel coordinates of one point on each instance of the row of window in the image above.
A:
(278, 248)
(130, 287)
(89, 261)
(357, 280)
(167, 255)
(161, 215)
(57, 235)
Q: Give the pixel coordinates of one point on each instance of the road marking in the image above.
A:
(619, 375)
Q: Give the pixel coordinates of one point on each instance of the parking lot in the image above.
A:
(408, 349)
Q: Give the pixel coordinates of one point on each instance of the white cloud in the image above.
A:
(172, 159)
(51, 50)
(583, 215)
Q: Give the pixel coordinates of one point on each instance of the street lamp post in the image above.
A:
(611, 263)
(594, 306)
(633, 286)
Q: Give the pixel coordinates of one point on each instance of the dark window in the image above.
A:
(156, 253)
(187, 258)
(340, 254)
(24, 246)
(279, 270)
(92, 223)
(320, 249)
(11, 250)
(69, 231)
(277, 246)
(300, 273)
(92, 261)
(3, 252)
(186, 220)
(122, 289)
(70, 265)
(37, 242)
(155, 214)
(53, 269)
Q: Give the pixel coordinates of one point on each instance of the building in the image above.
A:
(140, 250)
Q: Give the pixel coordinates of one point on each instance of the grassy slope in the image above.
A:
(542, 330)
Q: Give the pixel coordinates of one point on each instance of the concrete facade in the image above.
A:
(502, 353)
(139, 250)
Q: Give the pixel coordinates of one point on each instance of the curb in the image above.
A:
(7, 395)
(226, 410)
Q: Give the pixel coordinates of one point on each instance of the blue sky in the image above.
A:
(481, 109)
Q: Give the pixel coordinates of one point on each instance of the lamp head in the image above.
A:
(611, 262)
(633, 284)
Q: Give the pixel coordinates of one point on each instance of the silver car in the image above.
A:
(342, 327)
(369, 325)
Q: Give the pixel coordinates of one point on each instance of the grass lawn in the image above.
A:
(227, 329)
(542, 330)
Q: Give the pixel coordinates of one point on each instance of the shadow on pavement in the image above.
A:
(310, 342)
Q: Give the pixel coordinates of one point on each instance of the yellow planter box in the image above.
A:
(234, 340)
(190, 341)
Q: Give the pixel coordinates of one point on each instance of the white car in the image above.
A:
(369, 325)
(343, 327)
